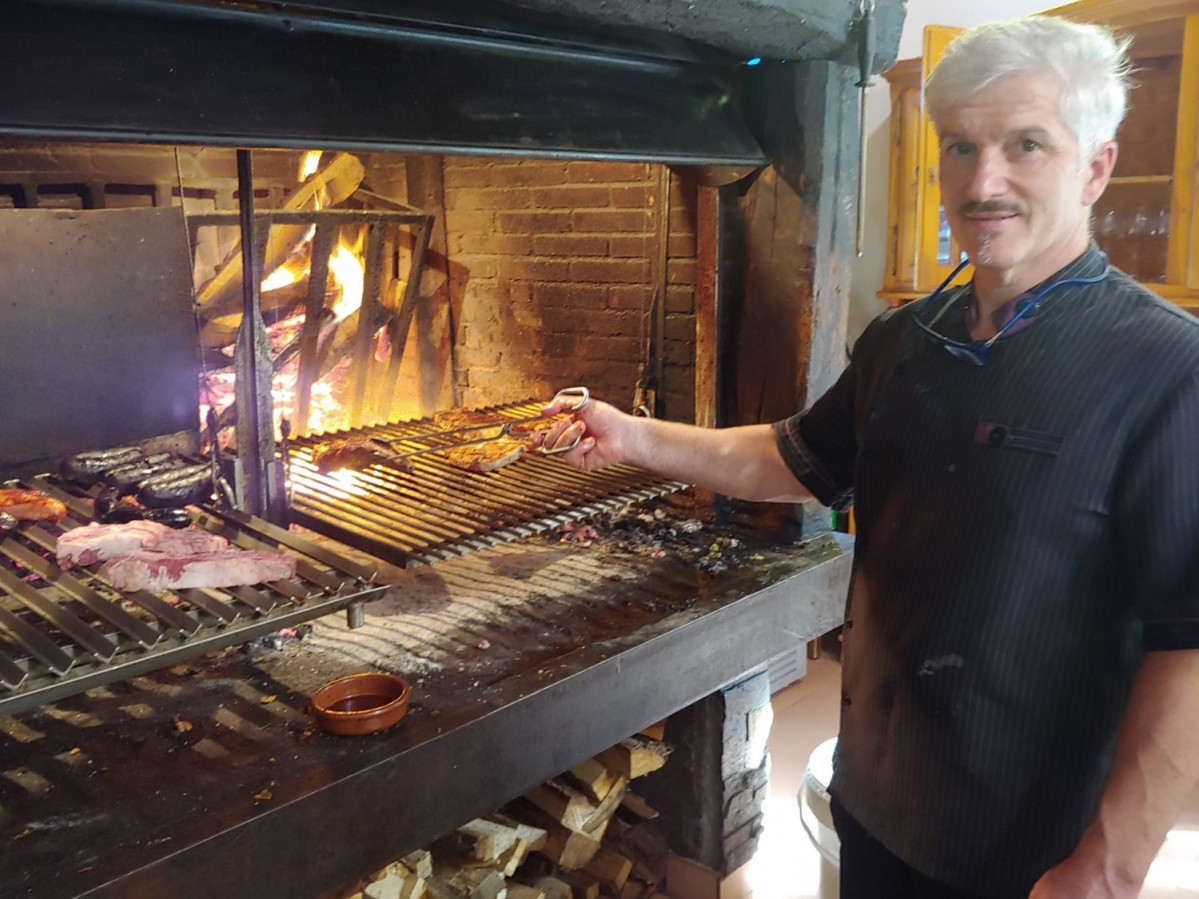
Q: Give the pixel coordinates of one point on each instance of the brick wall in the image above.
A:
(553, 279)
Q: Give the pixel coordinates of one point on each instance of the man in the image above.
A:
(1021, 679)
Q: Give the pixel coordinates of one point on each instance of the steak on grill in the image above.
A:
(144, 569)
(356, 454)
(97, 542)
(495, 450)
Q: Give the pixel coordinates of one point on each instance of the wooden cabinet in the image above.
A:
(1148, 218)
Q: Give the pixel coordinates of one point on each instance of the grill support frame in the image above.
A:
(383, 796)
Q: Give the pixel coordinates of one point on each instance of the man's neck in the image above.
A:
(995, 286)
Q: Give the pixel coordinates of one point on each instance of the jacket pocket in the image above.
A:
(989, 433)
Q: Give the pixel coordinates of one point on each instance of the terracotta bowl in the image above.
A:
(360, 703)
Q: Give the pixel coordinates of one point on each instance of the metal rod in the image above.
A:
(865, 27)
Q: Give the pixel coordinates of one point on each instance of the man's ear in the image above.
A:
(1097, 172)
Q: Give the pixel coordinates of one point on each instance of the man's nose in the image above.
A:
(989, 177)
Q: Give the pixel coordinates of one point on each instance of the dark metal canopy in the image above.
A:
(412, 76)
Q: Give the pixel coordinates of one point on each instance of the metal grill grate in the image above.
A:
(63, 632)
(439, 511)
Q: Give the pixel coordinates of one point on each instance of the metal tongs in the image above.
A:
(502, 427)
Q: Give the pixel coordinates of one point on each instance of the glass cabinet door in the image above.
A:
(1132, 221)
(939, 253)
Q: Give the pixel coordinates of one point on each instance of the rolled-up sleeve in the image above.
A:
(819, 445)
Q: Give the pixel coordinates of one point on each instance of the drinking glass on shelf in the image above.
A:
(1157, 242)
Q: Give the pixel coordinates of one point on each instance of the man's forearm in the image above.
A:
(1155, 767)
(743, 462)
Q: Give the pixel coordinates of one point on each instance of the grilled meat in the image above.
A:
(356, 454)
(493, 448)
(488, 456)
(31, 505)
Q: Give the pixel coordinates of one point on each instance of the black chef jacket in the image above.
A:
(1026, 530)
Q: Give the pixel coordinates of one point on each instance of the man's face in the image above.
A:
(1017, 198)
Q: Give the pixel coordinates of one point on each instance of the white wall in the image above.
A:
(867, 274)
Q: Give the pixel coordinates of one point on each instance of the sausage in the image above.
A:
(172, 518)
(86, 468)
(176, 488)
(127, 478)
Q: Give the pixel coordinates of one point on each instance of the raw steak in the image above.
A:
(97, 542)
(148, 570)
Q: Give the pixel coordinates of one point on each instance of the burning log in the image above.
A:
(328, 187)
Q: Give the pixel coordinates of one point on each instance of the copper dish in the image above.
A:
(360, 704)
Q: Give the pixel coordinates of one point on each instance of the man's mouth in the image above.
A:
(988, 212)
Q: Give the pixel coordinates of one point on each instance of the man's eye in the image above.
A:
(1028, 145)
(958, 149)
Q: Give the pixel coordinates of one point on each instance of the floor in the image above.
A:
(787, 865)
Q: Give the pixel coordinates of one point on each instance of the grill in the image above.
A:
(439, 511)
(64, 632)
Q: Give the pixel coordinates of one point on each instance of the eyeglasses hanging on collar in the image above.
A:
(975, 351)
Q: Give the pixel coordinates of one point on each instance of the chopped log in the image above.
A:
(596, 824)
(638, 806)
(654, 731)
(513, 857)
(594, 778)
(643, 844)
(488, 839)
(635, 756)
(419, 862)
(570, 849)
(328, 187)
(581, 886)
(415, 887)
(610, 868)
(451, 882)
(534, 837)
(563, 803)
(386, 887)
(553, 887)
(574, 809)
(521, 891)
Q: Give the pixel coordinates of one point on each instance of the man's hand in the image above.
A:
(600, 429)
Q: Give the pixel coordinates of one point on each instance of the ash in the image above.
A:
(660, 531)
(282, 639)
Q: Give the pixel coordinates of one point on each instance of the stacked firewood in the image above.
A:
(581, 835)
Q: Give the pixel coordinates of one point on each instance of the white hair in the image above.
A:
(1089, 61)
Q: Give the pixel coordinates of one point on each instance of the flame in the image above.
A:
(328, 397)
(349, 271)
(349, 484)
(282, 276)
(309, 164)
(291, 271)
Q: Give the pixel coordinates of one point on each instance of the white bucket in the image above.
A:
(816, 814)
